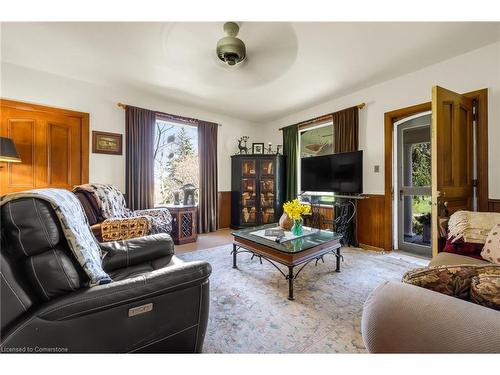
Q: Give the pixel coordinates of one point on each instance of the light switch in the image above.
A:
(376, 168)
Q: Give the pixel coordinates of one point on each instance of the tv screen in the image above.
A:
(337, 173)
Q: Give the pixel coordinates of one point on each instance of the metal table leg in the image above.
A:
(338, 256)
(235, 252)
(290, 278)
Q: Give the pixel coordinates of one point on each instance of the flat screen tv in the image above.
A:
(336, 173)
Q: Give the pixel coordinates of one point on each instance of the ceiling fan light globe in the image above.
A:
(231, 49)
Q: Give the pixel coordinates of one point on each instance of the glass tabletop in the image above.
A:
(293, 246)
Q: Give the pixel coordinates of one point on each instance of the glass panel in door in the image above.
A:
(248, 201)
(267, 196)
(267, 167)
(248, 168)
(414, 185)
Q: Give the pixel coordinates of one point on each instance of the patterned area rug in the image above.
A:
(250, 312)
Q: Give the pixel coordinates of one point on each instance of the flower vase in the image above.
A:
(285, 222)
(297, 229)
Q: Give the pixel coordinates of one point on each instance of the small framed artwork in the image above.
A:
(258, 148)
(106, 143)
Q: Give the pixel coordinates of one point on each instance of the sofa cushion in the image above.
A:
(31, 227)
(485, 290)
(491, 250)
(450, 280)
(90, 207)
(463, 248)
(54, 273)
(450, 259)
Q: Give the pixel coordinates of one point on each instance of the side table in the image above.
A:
(185, 223)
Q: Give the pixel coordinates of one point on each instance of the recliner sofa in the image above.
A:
(156, 302)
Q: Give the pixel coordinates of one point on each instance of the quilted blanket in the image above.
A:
(76, 229)
(112, 205)
(473, 227)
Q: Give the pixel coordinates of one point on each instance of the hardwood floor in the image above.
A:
(206, 241)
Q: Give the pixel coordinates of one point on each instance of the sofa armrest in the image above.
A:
(125, 253)
(403, 318)
(177, 275)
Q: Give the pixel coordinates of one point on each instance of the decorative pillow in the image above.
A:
(450, 280)
(123, 229)
(485, 290)
(463, 248)
(491, 249)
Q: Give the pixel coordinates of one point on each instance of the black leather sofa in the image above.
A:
(156, 302)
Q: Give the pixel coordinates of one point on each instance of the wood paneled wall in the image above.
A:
(494, 205)
(53, 145)
(372, 223)
(224, 208)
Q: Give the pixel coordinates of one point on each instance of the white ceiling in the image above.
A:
(289, 66)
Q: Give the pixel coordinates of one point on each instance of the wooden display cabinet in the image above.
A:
(257, 189)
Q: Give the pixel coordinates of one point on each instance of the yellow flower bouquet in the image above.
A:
(294, 210)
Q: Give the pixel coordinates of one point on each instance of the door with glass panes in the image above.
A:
(414, 184)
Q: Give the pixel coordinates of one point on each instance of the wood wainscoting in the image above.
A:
(371, 224)
(53, 145)
(370, 219)
(224, 209)
(494, 205)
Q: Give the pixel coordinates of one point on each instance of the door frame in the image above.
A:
(481, 101)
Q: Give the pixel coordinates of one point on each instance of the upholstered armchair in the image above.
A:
(154, 303)
(111, 220)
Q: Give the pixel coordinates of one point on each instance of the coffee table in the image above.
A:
(297, 252)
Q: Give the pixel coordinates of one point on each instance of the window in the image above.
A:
(175, 159)
(315, 141)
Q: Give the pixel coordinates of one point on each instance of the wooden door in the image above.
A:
(452, 156)
(52, 144)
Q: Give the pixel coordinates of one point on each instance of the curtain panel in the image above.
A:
(207, 153)
(291, 151)
(346, 130)
(139, 175)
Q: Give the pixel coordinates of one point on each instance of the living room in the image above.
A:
(271, 187)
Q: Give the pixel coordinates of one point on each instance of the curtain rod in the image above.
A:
(320, 118)
(180, 118)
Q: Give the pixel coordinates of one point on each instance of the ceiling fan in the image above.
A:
(230, 49)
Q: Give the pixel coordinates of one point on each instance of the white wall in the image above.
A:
(474, 70)
(468, 72)
(19, 83)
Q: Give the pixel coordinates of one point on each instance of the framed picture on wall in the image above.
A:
(258, 148)
(106, 143)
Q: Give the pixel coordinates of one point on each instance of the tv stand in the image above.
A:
(345, 209)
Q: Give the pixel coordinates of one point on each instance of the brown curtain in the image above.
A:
(207, 153)
(139, 138)
(346, 130)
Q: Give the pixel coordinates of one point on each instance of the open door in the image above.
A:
(452, 157)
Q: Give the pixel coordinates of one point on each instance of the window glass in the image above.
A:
(175, 159)
(317, 141)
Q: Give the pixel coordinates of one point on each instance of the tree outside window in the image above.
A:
(175, 159)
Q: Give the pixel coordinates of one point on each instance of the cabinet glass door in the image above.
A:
(248, 201)
(267, 197)
(267, 167)
(248, 168)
